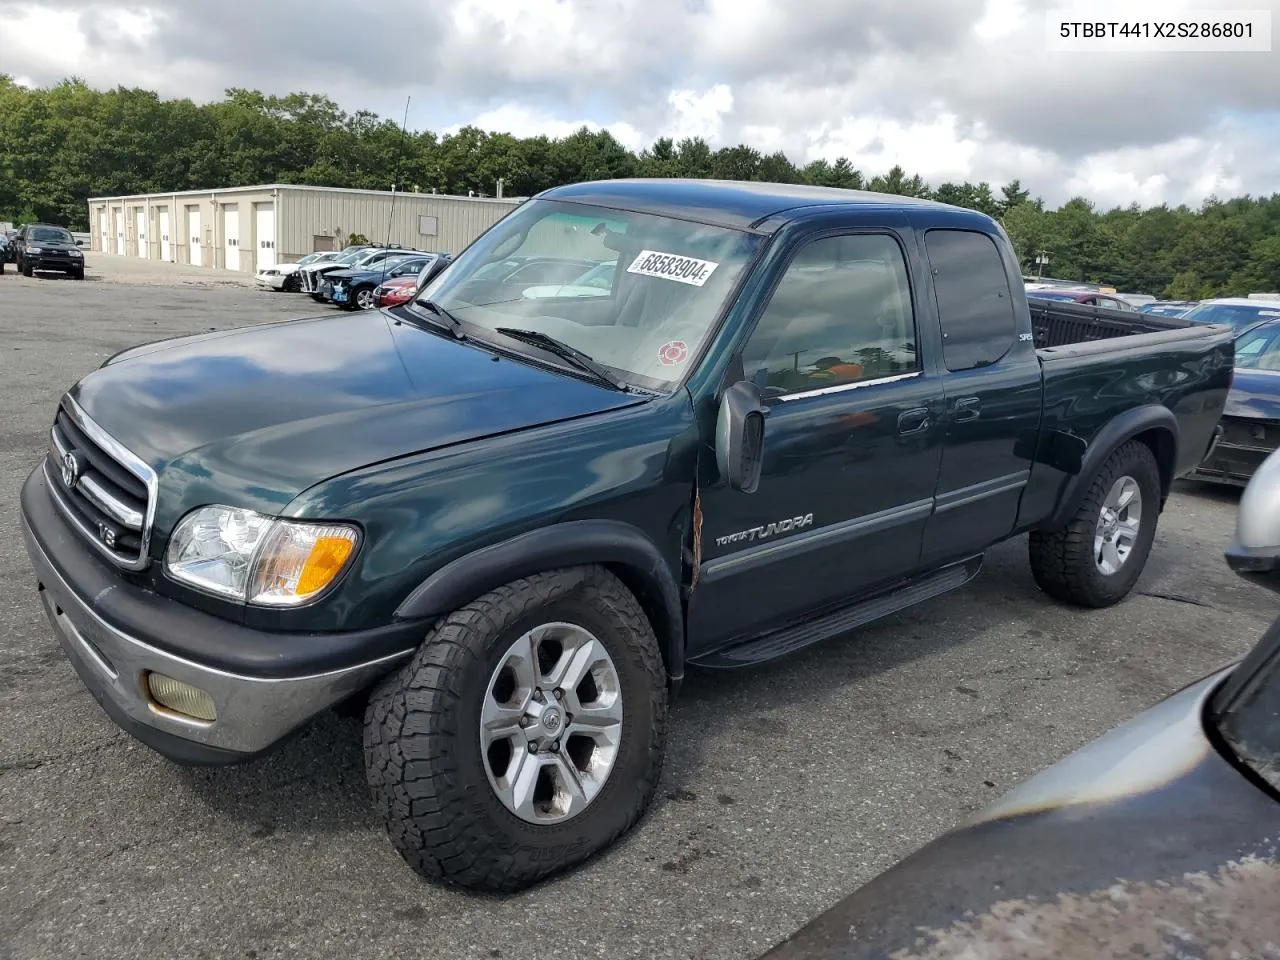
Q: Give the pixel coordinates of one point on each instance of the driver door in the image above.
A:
(852, 446)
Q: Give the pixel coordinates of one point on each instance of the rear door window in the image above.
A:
(975, 305)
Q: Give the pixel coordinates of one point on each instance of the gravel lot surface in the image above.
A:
(786, 786)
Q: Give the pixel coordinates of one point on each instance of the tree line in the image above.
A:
(63, 144)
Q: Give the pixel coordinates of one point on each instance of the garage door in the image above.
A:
(195, 253)
(102, 231)
(265, 230)
(231, 236)
(165, 249)
(117, 221)
(140, 228)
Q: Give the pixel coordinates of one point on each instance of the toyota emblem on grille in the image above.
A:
(70, 470)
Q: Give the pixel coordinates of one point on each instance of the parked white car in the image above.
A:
(283, 276)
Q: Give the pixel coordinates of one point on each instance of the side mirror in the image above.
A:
(1254, 552)
(740, 436)
(79, 243)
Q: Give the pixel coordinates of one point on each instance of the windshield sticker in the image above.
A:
(670, 266)
(673, 353)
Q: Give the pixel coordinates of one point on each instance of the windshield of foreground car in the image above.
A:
(49, 235)
(1259, 349)
(661, 299)
(1238, 315)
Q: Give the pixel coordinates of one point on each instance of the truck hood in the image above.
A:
(252, 417)
(1254, 394)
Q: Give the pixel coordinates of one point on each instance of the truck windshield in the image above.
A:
(660, 284)
(49, 235)
(1259, 349)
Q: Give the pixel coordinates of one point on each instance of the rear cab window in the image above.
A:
(975, 304)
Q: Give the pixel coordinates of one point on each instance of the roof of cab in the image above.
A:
(737, 204)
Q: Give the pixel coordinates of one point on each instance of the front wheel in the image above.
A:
(1097, 557)
(26, 269)
(364, 299)
(526, 734)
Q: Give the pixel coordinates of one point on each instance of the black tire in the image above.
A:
(75, 274)
(1063, 562)
(353, 301)
(26, 269)
(318, 298)
(422, 749)
(291, 284)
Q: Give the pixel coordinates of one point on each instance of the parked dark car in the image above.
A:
(1157, 840)
(1250, 428)
(1087, 297)
(353, 289)
(44, 247)
(512, 522)
(312, 277)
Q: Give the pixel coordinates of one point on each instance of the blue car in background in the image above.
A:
(353, 288)
(1251, 419)
(1169, 308)
(1240, 313)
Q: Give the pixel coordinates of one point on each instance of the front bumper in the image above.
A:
(273, 282)
(58, 262)
(1239, 452)
(115, 633)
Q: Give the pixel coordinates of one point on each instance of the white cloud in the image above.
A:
(958, 90)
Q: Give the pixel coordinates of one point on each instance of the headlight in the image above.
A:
(35, 250)
(243, 555)
(76, 253)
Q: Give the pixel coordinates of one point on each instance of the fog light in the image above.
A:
(181, 697)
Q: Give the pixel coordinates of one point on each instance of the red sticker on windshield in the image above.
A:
(673, 353)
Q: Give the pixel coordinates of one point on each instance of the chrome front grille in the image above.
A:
(106, 492)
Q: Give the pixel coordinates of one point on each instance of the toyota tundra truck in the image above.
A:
(506, 524)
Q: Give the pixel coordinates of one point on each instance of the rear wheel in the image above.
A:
(363, 298)
(526, 735)
(1095, 559)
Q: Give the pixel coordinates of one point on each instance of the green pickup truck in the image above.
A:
(510, 519)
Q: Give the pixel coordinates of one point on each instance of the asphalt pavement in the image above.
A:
(786, 786)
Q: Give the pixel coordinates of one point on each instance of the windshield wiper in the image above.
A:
(561, 349)
(448, 320)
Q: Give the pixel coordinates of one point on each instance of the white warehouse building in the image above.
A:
(252, 228)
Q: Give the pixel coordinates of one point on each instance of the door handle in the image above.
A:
(967, 408)
(913, 421)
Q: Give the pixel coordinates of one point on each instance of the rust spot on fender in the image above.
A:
(697, 536)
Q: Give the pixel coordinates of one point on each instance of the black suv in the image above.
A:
(42, 246)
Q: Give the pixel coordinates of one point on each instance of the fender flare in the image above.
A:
(1116, 432)
(630, 554)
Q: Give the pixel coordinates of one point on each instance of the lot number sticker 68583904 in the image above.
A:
(671, 266)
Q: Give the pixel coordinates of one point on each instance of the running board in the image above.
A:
(797, 636)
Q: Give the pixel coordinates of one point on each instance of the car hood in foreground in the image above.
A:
(1146, 843)
(254, 416)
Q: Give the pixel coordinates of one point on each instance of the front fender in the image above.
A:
(620, 546)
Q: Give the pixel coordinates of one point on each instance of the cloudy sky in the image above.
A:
(951, 89)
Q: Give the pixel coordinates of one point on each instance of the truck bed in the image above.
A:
(1057, 323)
(1099, 364)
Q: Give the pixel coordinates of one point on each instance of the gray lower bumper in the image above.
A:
(253, 713)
